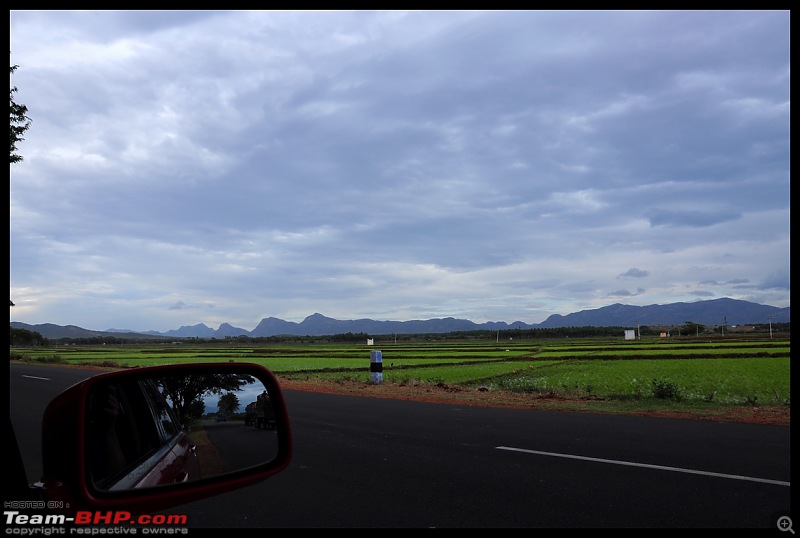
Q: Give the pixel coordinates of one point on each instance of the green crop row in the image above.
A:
(729, 372)
(725, 381)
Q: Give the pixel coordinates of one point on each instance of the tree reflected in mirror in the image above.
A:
(152, 431)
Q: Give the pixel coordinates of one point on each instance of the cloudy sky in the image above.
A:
(208, 167)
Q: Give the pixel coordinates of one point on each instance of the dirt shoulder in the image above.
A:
(441, 393)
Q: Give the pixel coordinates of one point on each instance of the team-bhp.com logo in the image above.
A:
(89, 522)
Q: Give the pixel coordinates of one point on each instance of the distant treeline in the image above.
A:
(23, 337)
(26, 338)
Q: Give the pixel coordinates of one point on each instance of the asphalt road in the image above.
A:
(376, 463)
(238, 446)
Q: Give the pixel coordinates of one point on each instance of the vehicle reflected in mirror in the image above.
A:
(161, 429)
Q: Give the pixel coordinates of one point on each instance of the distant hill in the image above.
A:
(49, 330)
(711, 313)
(714, 312)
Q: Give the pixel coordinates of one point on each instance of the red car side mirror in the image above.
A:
(147, 439)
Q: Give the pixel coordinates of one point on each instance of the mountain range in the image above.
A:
(712, 313)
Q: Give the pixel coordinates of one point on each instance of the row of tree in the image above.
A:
(26, 338)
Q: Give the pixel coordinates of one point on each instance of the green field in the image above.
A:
(690, 372)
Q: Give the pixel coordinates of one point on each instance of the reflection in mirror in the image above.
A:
(152, 431)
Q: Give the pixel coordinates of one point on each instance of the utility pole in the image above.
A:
(770, 326)
(638, 330)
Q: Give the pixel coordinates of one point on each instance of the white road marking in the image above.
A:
(646, 465)
(34, 377)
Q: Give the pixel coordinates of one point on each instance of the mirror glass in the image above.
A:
(151, 431)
